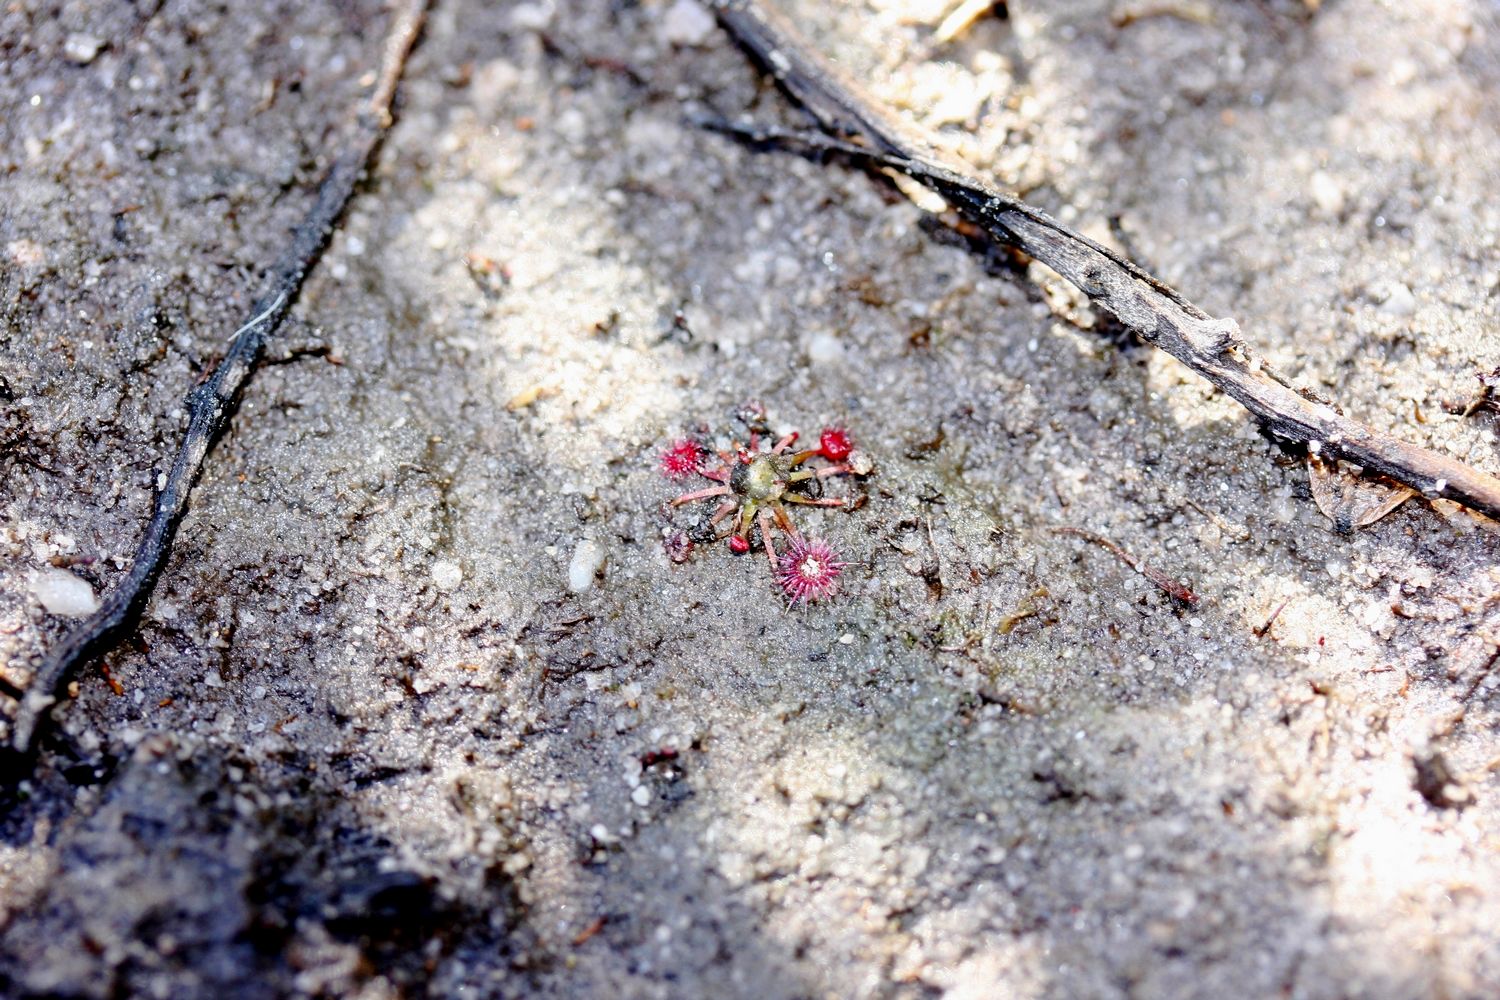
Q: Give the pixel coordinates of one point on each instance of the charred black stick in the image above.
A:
(210, 403)
(865, 131)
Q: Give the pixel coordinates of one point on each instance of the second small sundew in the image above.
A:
(809, 571)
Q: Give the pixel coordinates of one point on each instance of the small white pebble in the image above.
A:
(686, 22)
(824, 349)
(1399, 301)
(641, 796)
(81, 49)
(571, 125)
(63, 593)
(1438, 486)
(1326, 193)
(26, 253)
(531, 16)
(1402, 71)
(587, 561)
(446, 575)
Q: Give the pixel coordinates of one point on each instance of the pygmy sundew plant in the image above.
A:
(757, 484)
(681, 459)
(808, 570)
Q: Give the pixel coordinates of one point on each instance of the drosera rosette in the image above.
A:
(755, 485)
(808, 571)
(680, 459)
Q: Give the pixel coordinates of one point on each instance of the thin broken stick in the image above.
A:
(865, 131)
(961, 19)
(210, 403)
(1165, 583)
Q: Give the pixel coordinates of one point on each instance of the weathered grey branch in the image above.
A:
(864, 130)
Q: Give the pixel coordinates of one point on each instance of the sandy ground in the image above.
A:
(367, 741)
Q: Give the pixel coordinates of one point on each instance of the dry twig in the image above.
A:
(1163, 582)
(961, 19)
(210, 403)
(866, 132)
(1261, 629)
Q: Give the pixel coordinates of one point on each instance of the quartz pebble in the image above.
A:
(587, 561)
(686, 22)
(1326, 193)
(531, 16)
(446, 575)
(1399, 301)
(63, 593)
(81, 49)
(824, 349)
